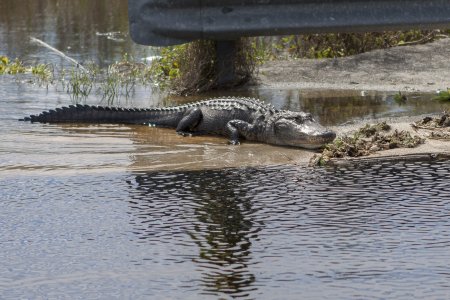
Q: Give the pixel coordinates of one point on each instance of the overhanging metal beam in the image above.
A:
(169, 22)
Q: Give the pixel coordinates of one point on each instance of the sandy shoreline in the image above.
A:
(419, 68)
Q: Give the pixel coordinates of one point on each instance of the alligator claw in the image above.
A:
(184, 134)
(234, 142)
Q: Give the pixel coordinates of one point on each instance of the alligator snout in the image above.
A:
(329, 136)
(319, 140)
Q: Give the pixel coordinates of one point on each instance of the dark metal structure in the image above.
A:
(169, 22)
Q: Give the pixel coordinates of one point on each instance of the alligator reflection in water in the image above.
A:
(224, 231)
(324, 233)
(223, 225)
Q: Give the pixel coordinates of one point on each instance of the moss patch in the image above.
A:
(433, 123)
(439, 127)
(367, 140)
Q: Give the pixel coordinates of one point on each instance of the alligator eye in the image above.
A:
(305, 117)
(299, 120)
(282, 126)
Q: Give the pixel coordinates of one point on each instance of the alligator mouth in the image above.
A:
(318, 141)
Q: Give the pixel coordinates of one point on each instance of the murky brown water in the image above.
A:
(89, 31)
(109, 211)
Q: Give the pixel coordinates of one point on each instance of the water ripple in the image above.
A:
(369, 232)
(356, 225)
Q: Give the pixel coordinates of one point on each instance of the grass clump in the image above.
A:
(119, 79)
(367, 140)
(11, 68)
(443, 96)
(43, 72)
(77, 83)
(400, 98)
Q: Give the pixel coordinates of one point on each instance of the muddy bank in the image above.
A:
(430, 149)
(207, 152)
(418, 68)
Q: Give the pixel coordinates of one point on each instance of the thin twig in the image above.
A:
(424, 40)
(44, 44)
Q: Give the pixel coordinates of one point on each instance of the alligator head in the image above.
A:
(298, 129)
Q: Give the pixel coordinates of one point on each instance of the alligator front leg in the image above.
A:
(237, 128)
(190, 120)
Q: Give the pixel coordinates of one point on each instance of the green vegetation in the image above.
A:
(192, 68)
(117, 80)
(342, 44)
(443, 95)
(77, 83)
(400, 98)
(17, 67)
(7, 67)
(367, 140)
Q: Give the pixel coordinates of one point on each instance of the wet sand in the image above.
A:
(208, 152)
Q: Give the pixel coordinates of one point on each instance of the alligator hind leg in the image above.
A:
(190, 120)
(237, 128)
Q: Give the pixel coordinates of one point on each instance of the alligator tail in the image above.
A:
(95, 114)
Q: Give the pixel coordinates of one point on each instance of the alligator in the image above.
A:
(235, 118)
